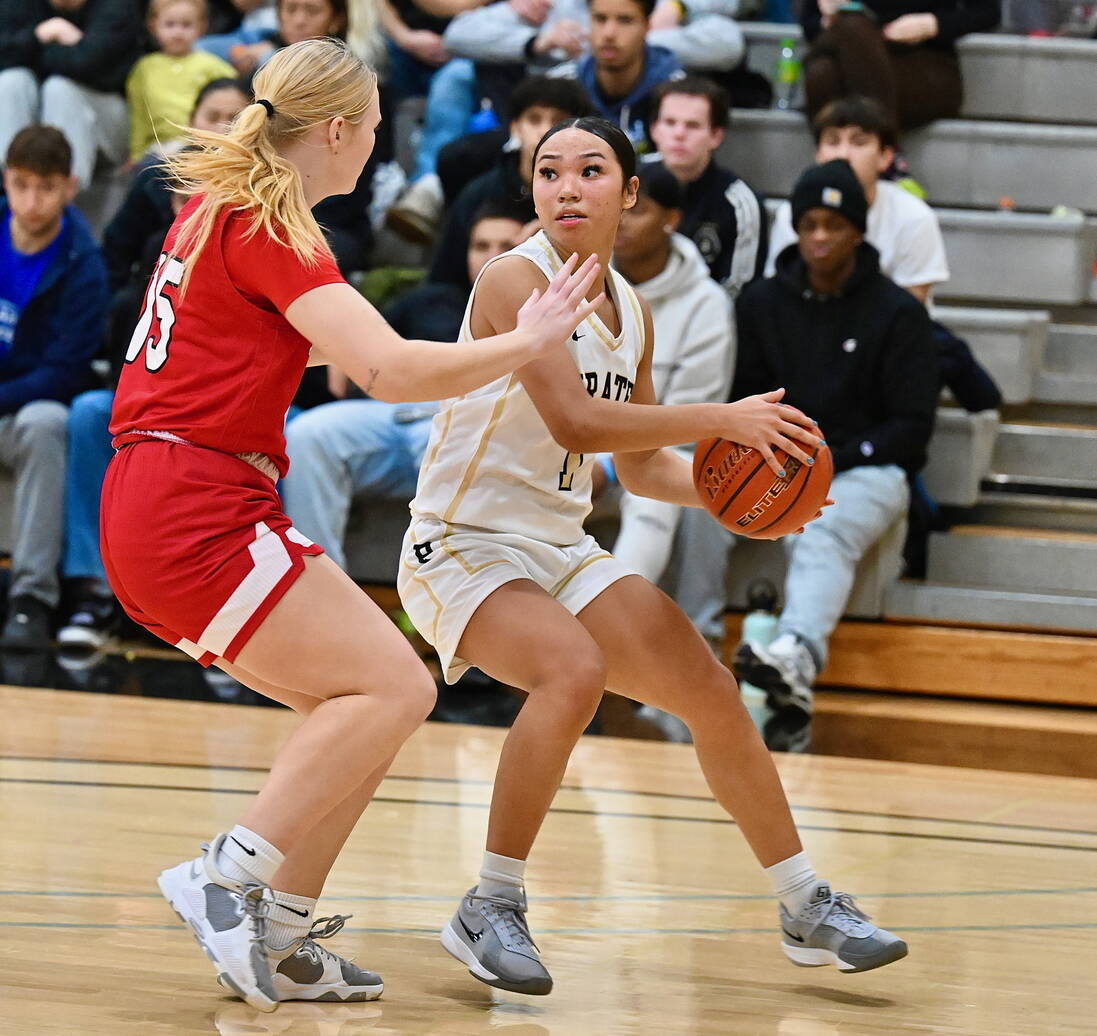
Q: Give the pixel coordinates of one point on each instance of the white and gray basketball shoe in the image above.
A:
(831, 929)
(489, 935)
(228, 919)
(785, 671)
(305, 970)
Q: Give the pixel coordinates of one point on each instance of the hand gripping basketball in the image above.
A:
(551, 315)
(761, 483)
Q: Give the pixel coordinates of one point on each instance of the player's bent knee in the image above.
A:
(577, 687)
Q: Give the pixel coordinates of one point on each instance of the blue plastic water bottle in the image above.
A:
(485, 119)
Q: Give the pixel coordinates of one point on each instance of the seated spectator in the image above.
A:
(855, 351)
(694, 343)
(722, 214)
(53, 306)
(903, 54)
(503, 37)
(623, 69)
(238, 22)
(364, 447)
(297, 20)
(902, 228)
(539, 103)
(161, 88)
(523, 37)
(421, 66)
(65, 62)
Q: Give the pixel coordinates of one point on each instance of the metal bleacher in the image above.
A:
(1025, 489)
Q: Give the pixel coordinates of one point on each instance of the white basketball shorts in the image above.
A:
(447, 572)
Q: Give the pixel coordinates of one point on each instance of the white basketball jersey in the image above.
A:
(492, 464)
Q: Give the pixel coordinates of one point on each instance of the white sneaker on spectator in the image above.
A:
(415, 217)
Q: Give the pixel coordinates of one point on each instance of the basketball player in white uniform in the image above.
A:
(497, 572)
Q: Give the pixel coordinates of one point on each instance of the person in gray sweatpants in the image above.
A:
(53, 308)
(64, 63)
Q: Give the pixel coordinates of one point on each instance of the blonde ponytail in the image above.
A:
(304, 85)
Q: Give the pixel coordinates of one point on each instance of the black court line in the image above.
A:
(476, 782)
(572, 812)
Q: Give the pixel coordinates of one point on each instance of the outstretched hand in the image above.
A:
(553, 314)
(765, 423)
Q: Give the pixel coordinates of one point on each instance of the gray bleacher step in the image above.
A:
(990, 606)
(1041, 260)
(1030, 560)
(1018, 257)
(960, 162)
(1047, 454)
(1010, 343)
(959, 455)
(1005, 77)
(973, 163)
(1060, 387)
(1071, 349)
(1036, 511)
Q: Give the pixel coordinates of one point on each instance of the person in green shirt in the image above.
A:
(162, 87)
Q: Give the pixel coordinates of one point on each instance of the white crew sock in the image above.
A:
(290, 919)
(501, 876)
(245, 856)
(794, 881)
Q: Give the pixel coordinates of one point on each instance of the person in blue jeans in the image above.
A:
(365, 447)
(421, 66)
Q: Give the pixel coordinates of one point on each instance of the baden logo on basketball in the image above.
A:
(714, 476)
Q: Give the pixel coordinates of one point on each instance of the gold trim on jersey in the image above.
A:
(438, 607)
(425, 466)
(470, 568)
(481, 449)
(638, 314)
(578, 568)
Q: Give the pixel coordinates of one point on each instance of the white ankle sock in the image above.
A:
(501, 876)
(794, 881)
(289, 919)
(245, 856)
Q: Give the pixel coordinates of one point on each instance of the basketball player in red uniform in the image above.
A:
(498, 573)
(194, 539)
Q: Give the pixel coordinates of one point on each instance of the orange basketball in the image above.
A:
(740, 490)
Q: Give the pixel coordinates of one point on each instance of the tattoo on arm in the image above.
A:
(368, 387)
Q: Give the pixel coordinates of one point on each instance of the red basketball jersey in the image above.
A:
(220, 365)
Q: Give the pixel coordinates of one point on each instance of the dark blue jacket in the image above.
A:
(633, 111)
(61, 327)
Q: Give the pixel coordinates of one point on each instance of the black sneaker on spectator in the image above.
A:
(28, 625)
(91, 623)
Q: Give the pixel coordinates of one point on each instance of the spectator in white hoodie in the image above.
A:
(694, 344)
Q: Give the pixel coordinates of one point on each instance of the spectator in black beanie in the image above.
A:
(854, 351)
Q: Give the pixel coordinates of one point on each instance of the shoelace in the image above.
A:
(846, 909)
(511, 914)
(257, 907)
(322, 928)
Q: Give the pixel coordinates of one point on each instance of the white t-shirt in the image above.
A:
(902, 228)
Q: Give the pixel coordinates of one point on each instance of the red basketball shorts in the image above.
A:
(196, 545)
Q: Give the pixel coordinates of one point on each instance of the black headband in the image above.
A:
(266, 104)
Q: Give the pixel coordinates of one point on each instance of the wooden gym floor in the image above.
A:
(647, 905)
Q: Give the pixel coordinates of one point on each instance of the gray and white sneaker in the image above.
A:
(489, 935)
(785, 671)
(305, 970)
(228, 919)
(831, 929)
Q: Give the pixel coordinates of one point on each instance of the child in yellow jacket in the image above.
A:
(162, 87)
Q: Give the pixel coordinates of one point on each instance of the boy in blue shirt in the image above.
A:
(53, 305)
